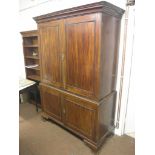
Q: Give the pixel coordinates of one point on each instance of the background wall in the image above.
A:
(32, 8)
(128, 103)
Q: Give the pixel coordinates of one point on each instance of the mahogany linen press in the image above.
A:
(78, 60)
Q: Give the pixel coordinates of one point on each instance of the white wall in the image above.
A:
(32, 8)
(129, 127)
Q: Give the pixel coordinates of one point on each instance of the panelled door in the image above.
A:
(50, 52)
(81, 38)
(79, 115)
(51, 102)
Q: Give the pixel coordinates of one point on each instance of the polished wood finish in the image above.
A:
(81, 35)
(50, 35)
(79, 57)
(79, 115)
(30, 46)
(51, 102)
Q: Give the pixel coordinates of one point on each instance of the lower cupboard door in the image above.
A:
(51, 102)
(79, 116)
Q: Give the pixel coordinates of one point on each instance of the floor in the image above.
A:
(38, 137)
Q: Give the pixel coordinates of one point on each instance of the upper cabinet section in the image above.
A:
(70, 54)
(76, 48)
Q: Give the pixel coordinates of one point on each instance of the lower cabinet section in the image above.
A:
(82, 116)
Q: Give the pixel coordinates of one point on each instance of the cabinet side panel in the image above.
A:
(106, 115)
(109, 54)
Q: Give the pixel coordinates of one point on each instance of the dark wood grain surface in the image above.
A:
(80, 54)
(51, 102)
(51, 54)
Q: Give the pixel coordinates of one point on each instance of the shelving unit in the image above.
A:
(31, 54)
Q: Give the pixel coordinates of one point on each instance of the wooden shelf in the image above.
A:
(34, 77)
(35, 68)
(30, 45)
(32, 57)
(30, 36)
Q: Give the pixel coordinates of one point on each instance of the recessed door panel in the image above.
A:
(50, 47)
(51, 102)
(80, 55)
(79, 116)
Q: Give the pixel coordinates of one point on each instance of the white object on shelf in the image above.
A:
(32, 66)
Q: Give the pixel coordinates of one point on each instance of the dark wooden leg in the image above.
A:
(35, 97)
(19, 99)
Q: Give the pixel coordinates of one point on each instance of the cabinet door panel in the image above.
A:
(50, 48)
(51, 102)
(79, 116)
(81, 55)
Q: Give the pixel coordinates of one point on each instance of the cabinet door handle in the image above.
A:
(62, 56)
(64, 111)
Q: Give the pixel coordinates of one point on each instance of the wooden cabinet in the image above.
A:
(79, 54)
